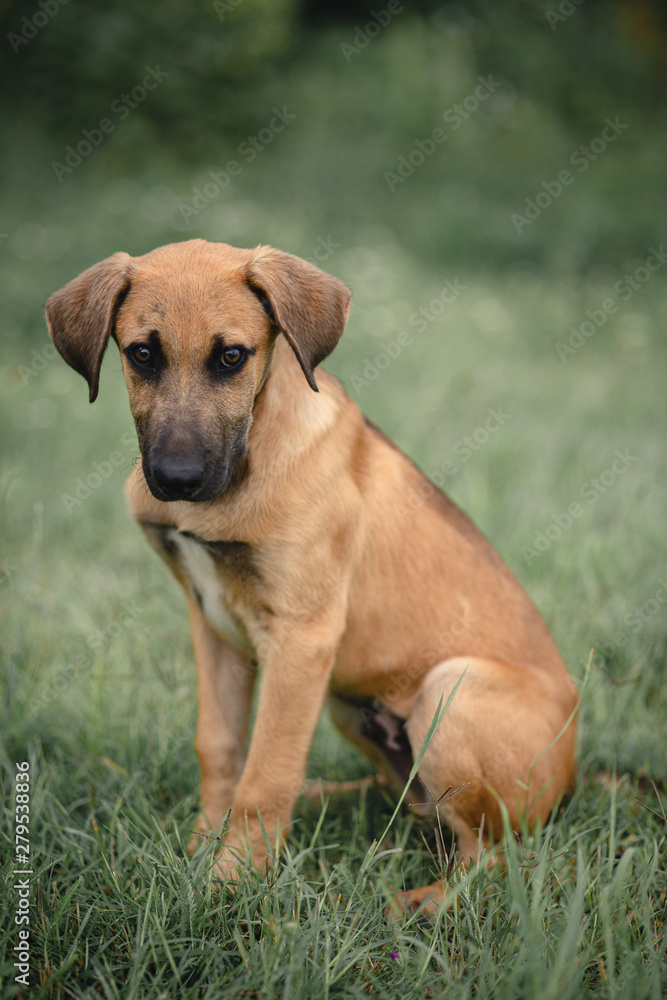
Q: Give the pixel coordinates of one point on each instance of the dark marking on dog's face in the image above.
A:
(196, 324)
(195, 346)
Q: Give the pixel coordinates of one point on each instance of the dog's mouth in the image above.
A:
(193, 476)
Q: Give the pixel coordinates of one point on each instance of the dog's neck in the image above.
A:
(288, 417)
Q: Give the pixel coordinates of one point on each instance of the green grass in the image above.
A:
(118, 909)
(98, 684)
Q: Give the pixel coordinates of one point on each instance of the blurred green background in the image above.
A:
(359, 95)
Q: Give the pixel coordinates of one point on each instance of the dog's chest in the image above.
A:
(202, 570)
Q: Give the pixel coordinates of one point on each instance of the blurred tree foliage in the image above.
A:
(65, 73)
(358, 102)
(65, 62)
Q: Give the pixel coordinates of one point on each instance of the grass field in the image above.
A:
(98, 683)
(99, 690)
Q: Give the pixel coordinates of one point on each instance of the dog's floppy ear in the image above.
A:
(81, 315)
(308, 306)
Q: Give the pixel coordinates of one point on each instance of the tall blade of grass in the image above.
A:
(433, 728)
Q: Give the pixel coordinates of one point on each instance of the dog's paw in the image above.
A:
(227, 868)
(205, 830)
(426, 900)
(235, 853)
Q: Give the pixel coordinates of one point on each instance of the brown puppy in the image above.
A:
(282, 513)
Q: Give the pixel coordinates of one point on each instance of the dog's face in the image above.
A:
(196, 345)
(195, 324)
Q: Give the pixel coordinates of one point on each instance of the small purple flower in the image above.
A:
(394, 955)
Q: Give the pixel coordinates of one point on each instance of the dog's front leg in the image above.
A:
(295, 679)
(225, 680)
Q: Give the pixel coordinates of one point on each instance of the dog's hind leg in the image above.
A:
(381, 737)
(499, 737)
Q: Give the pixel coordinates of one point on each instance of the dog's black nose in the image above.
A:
(179, 480)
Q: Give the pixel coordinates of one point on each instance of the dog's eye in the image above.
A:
(142, 354)
(230, 357)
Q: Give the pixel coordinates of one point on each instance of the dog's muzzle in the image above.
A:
(179, 480)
